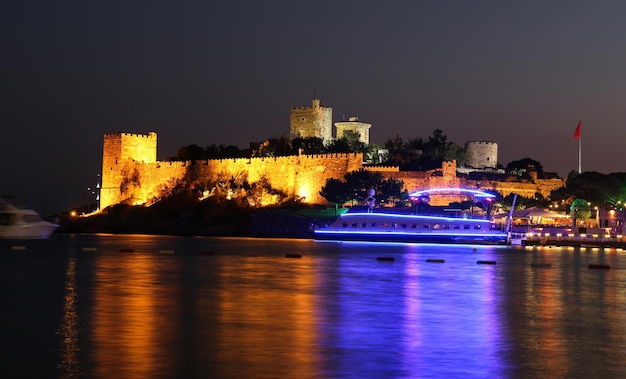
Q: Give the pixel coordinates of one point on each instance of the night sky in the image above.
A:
(521, 74)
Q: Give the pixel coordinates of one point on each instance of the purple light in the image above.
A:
(412, 217)
(452, 189)
(370, 232)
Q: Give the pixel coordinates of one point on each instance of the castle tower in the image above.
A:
(119, 149)
(354, 125)
(314, 121)
(481, 154)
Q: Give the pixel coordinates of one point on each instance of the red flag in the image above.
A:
(577, 131)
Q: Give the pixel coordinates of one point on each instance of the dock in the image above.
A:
(575, 240)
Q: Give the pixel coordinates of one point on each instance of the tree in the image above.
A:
(310, 145)
(395, 143)
(580, 210)
(593, 186)
(360, 181)
(222, 151)
(390, 190)
(350, 142)
(336, 191)
(371, 155)
(189, 153)
(523, 166)
(276, 147)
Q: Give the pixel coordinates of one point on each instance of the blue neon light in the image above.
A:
(370, 232)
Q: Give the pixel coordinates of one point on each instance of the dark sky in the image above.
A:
(521, 74)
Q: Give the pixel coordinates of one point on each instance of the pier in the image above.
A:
(574, 240)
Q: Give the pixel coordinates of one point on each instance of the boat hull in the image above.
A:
(39, 230)
(392, 227)
(486, 239)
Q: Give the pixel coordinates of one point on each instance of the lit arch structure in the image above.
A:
(452, 191)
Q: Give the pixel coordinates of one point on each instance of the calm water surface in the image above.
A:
(162, 307)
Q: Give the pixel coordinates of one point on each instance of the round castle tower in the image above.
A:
(481, 154)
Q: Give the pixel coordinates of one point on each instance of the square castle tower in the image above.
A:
(313, 121)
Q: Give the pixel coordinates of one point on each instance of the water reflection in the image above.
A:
(70, 365)
(572, 320)
(135, 316)
(340, 312)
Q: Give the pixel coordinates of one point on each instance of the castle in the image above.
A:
(131, 172)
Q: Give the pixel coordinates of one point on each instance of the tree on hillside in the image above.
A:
(390, 190)
(360, 181)
(276, 147)
(222, 151)
(336, 191)
(350, 142)
(395, 144)
(593, 186)
(310, 145)
(189, 153)
(356, 185)
(370, 155)
(523, 166)
(415, 143)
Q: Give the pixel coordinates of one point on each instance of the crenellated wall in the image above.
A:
(131, 173)
(129, 176)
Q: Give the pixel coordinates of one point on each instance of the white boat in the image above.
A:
(384, 226)
(23, 223)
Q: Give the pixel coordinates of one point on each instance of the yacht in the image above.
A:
(424, 223)
(23, 223)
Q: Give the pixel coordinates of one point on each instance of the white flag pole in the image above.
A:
(580, 139)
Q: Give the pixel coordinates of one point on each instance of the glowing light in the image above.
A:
(453, 189)
(412, 217)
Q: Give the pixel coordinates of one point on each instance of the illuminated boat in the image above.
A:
(23, 223)
(418, 226)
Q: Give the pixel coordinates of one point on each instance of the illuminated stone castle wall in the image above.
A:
(313, 121)
(131, 173)
(121, 154)
(446, 177)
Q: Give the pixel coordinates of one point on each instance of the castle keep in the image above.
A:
(313, 121)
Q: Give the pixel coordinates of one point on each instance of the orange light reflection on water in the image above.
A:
(131, 317)
(269, 327)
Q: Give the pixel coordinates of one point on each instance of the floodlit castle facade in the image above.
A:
(132, 174)
(313, 121)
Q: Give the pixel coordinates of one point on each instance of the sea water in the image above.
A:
(135, 306)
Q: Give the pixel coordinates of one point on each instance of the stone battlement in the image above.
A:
(120, 134)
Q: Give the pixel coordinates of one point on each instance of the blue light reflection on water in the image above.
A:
(247, 311)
